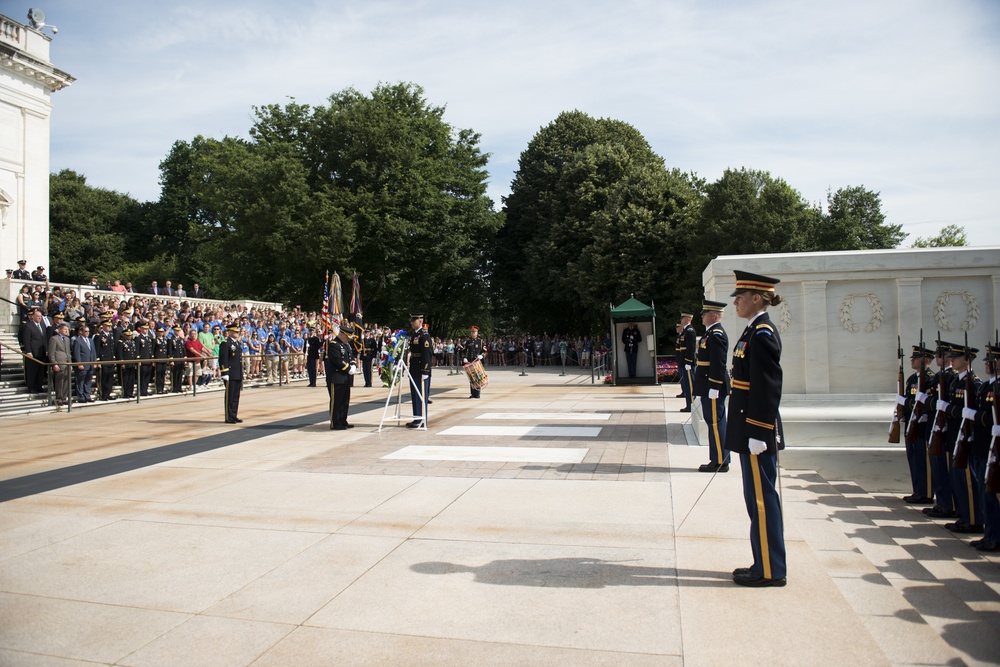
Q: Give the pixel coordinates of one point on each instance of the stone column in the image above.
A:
(996, 302)
(815, 345)
(910, 315)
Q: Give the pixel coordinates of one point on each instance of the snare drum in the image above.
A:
(477, 374)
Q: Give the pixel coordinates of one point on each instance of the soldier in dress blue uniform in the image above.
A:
(967, 494)
(144, 350)
(938, 395)
(984, 435)
(125, 351)
(341, 366)
(177, 351)
(104, 347)
(711, 384)
(161, 350)
(631, 339)
(916, 453)
(421, 358)
(753, 429)
(231, 368)
(688, 342)
(472, 349)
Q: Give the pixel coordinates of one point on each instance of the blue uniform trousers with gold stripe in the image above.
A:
(941, 479)
(920, 471)
(968, 494)
(767, 538)
(714, 412)
(991, 505)
(687, 384)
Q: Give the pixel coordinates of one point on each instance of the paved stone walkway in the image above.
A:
(552, 522)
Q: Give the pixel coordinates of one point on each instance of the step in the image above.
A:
(921, 591)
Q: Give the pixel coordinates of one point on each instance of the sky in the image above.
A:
(898, 96)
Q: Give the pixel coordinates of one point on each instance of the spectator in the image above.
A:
(24, 303)
(195, 350)
(271, 359)
(62, 358)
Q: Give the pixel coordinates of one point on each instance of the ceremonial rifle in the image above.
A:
(993, 463)
(898, 416)
(934, 445)
(913, 426)
(963, 442)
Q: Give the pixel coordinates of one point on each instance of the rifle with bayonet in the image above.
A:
(900, 381)
(913, 426)
(963, 442)
(935, 444)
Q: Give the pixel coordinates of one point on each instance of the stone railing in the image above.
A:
(12, 33)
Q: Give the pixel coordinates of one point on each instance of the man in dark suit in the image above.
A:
(33, 345)
(197, 292)
(83, 352)
(153, 289)
(168, 290)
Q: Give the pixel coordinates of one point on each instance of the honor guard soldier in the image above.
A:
(161, 350)
(177, 352)
(938, 396)
(686, 350)
(472, 349)
(421, 358)
(314, 350)
(144, 350)
(964, 388)
(711, 384)
(231, 368)
(753, 429)
(984, 435)
(916, 445)
(104, 347)
(368, 355)
(631, 339)
(125, 351)
(340, 364)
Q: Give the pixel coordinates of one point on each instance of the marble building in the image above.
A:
(27, 81)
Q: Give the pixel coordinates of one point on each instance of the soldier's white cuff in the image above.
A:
(995, 431)
(942, 405)
(900, 399)
(921, 397)
(968, 413)
(757, 446)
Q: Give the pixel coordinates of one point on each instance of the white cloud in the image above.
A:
(899, 96)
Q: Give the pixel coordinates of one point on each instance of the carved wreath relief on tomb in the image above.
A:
(941, 317)
(845, 312)
(784, 317)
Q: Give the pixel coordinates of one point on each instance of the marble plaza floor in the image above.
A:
(552, 522)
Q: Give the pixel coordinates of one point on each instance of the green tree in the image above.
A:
(949, 236)
(84, 224)
(854, 221)
(583, 185)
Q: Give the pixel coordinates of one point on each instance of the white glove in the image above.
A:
(713, 394)
(942, 405)
(687, 367)
(226, 378)
(900, 399)
(968, 413)
(480, 357)
(425, 377)
(995, 432)
(353, 370)
(464, 360)
(757, 446)
(922, 420)
(921, 397)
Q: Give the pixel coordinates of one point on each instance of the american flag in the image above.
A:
(326, 306)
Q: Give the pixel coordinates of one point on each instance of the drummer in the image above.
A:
(472, 349)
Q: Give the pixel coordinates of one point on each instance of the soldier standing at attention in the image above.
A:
(104, 347)
(916, 453)
(125, 351)
(753, 429)
(711, 384)
(421, 358)
(231, 368)
(472, 349)
(177, 351)
(631, 339)
(686, 360)
(340, 365)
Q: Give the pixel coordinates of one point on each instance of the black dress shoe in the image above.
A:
(965, 528)
(755, 581)
(230, 421)
(238, 420)
(338, 427)
(413, 424)
(713, 467)
(685, 410)
(681, 395)
(742, 571)
(988, 546)
(918, 500)
(349, 425)
(939, 513)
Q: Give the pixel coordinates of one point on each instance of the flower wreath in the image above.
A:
(392, 349)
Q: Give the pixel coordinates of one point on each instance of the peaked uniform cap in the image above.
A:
(752, 281)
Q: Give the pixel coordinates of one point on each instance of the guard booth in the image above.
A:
(644, 318)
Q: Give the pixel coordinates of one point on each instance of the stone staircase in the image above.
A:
(14, 396)
(924, 595)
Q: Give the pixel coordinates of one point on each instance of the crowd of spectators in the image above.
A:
(529, 350)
